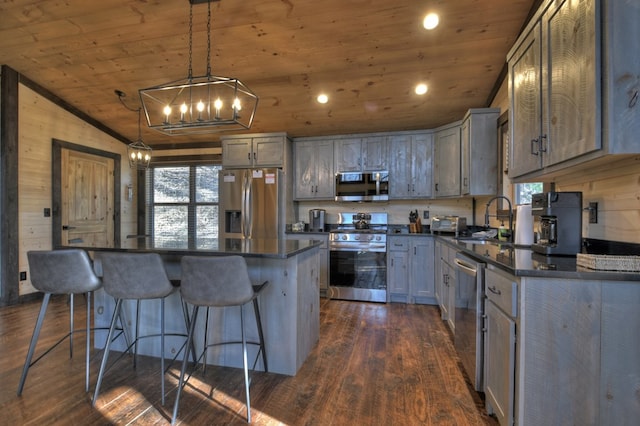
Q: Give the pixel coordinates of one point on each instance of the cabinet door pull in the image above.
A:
(541, 146)
(533, 143)
(249, 156)
(494, 290)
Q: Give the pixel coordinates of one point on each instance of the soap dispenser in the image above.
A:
(502, 232)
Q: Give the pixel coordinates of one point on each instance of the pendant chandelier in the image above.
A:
(138, 152)
(203, 104)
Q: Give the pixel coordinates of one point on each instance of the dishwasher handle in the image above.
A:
(465, 267)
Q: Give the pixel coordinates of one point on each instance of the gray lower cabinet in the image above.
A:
(398, 269)
(500, 344)
(410, 273)
(561, 351)
(324, 257)
(445, 282)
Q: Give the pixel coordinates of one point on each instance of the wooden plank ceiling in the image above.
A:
(366, 54)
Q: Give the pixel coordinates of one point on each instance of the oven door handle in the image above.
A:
(351, 248)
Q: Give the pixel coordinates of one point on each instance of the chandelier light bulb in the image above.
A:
(236, 104)
(200, 106)
(167, 114)
(183, 111)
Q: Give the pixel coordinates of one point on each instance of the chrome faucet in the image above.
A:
(486, 215)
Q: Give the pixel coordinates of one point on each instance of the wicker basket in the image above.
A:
(605, 262)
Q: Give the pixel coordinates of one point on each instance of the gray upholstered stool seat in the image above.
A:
(60, 272)
(220, 281)
(135, 276)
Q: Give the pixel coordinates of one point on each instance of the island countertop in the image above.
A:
(259, 248)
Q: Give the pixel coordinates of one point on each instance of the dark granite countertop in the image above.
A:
(265, 248)
(522, 261)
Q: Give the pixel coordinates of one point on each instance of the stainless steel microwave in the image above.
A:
(368, 186)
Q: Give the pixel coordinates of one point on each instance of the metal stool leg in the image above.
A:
(34, 341)
(181, 381)
(107, 348)
(71, 325)
(245, 364)
(256, 310)
(162, 349)
(88, 347)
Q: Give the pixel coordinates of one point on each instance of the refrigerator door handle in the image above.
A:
(243, 212)
(247, 219)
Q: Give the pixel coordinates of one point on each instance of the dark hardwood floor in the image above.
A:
(375, 364)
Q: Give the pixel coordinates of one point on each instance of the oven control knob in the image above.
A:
(378, 238)
(356, 237)
(344, 237)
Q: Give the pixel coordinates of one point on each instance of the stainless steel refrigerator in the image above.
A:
(253, 203)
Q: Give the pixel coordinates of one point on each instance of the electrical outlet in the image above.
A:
(425, 214)
(23, 275)
(593, 212)
(47, 212)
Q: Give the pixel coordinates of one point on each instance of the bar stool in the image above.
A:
(60, 272)
(220, 281)
(135, 276)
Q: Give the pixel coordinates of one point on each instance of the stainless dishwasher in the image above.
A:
(469, 311)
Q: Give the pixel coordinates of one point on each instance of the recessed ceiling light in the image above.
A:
(322, 98)
(421, 89)
(431, 21)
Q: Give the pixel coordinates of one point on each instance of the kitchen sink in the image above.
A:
(471, 240)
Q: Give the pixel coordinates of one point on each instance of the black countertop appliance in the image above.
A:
(560, 225)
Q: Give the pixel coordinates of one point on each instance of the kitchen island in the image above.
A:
(289, 305)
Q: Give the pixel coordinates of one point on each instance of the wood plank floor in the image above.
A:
(375, 364)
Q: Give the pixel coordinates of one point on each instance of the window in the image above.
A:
(182, 205)
(525, 190)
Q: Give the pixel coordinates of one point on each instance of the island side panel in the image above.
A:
(289, 307)
(292, 319)
(559, 352)
(620, 383)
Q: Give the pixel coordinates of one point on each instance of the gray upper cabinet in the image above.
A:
(573, 86)
(361, 154)
(479, 152)
(411, 165)
(313, 174)
(447, 154)
(254, 151)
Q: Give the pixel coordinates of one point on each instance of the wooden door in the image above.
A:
(87, 199)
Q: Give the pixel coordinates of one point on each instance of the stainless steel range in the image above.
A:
(358, 257)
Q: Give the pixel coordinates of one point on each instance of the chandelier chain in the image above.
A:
(190, 75)
(209, 40)
(140, 123)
